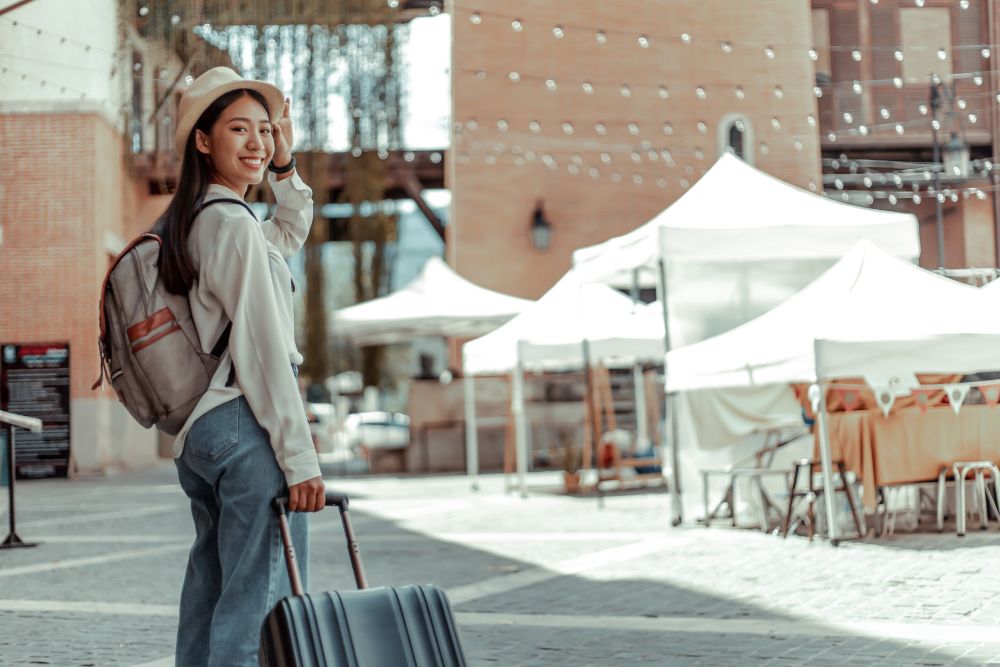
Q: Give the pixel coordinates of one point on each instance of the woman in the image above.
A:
(247, 440)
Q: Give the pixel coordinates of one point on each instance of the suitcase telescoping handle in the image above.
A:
(332, 498)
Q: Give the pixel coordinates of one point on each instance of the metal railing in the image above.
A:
(34, 425)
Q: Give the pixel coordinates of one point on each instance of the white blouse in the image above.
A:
(243, 278)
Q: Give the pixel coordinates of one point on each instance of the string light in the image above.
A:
(516, 25)
(600, 37)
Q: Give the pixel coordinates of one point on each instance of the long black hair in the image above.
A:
(177, 270)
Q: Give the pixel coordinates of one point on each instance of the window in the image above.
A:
(135, 123)
(736, 137)
(926, 36)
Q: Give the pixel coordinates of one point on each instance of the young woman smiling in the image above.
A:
(247, 440)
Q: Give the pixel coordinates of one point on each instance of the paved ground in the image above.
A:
(547, 580)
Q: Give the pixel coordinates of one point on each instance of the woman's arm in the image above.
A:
(293, 216)
(239, 275)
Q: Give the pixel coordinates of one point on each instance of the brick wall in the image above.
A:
(496, 187)
(64, 187)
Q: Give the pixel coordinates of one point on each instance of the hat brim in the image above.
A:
(272, 95)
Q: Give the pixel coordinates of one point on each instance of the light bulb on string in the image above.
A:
(652, 155)
(764, 149)
(558, 32)
(727, 47)
(973, 118)
(600, 129)
(699, 154)
(661, 182)
(530, 155)
(588, 88)
(817, 91)
(897, 81)
(535, 127)
(964, 4)
(936, 124)
(898, 55)
(985, 53)
(867, 181)
(918, 3)
(900, 129)
(600, 37)
(779, 93)
(643, 42)
(491, 159)
(812, 185)
(475, 18)
(980, 194)
(567, 127)
(663, 92)
(636, 157)
(576, 158)
(856, 87)
(831, 136)
(551, 84)
(848, 118)
(514, 76)
(702, 127)
(616, 177)
(668, 129)
(977, 79)
(686, 38)
(856, 55)
(144, 10)
(625, 90)
(884, 113)
(797, 143)
(516, 25)
(922, 109)
(637, 179)
(813, 55)
(769, 52)
(480, 74)
(633, 129)
(594, 173)
(471, 124)
(685, 184)
(502, 125)
(700, 92)
(961, 104)
(863, 130)
(839, 184)
(942, 54)
(606, 158)
(916, 199)
(739, 92)
(775, 123)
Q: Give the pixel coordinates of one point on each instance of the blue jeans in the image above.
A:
(236, 568)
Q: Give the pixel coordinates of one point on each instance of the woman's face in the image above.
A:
(239, 146)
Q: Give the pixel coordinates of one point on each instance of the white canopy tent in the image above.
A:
(738, 243)
(438, 302)
(869, 314)
(735, 245)
(570, 325)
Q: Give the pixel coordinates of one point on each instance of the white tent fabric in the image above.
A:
(438, 302)
(738, 213)
(876, 315)
(550, 332)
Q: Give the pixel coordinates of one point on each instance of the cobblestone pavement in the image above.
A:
(546, 580)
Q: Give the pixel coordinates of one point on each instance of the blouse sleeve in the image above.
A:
(293, 215)
(238, 274)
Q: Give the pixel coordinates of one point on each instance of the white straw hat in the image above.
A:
(209, 87)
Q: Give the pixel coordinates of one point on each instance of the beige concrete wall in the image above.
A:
(497, 174)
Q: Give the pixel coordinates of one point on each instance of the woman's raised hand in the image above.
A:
(284, 140)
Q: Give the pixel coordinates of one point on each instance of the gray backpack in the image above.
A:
(149, 346)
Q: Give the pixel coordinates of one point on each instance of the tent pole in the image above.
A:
(520, 425)
(641, 420)
(824, 451)
(670, 410)
(471, 432)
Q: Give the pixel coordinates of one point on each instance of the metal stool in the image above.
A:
(984, 501)
(812, 493)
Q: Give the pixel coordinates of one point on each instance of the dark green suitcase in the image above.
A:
(406, 626)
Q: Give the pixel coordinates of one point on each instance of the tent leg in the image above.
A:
(677, 504)
(520, 427)
(824, 454)
(471, 433)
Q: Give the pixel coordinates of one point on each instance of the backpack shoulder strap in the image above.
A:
(222, 200)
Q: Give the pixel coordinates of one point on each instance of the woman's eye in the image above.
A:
(239, 129)
(266, 130)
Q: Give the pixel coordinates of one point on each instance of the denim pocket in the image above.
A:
(215, 432)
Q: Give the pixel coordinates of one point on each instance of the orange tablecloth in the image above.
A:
(908, 446)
